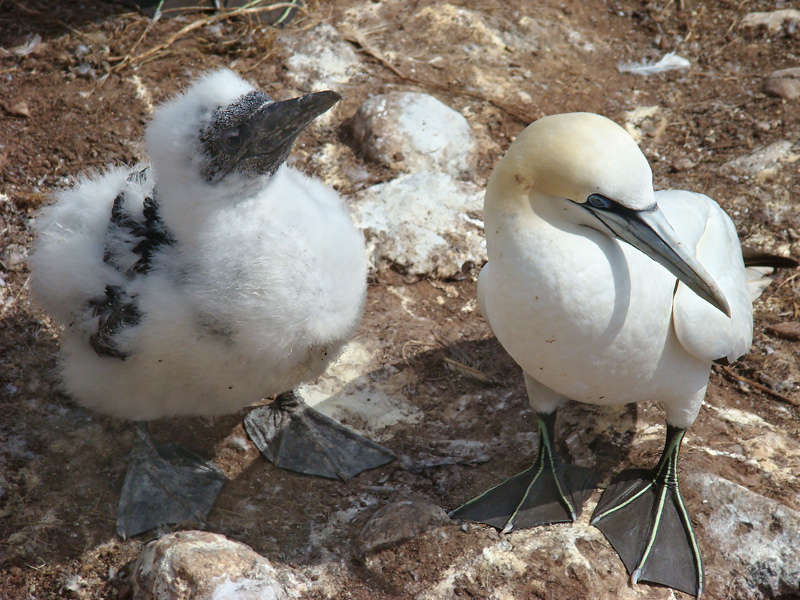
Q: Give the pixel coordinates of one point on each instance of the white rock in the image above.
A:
(760, 537)
(196, 565)
(572, 561)
(320, 59)
(774, 21)
(445, 21)
(427, 223)
(411, 131)
(359, 390)
(760, 161)
(641, 120)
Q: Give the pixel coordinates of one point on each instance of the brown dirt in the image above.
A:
(63, 467)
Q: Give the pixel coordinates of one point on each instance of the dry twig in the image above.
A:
(469, 372)
(460, 363)
(413, 343)
(360, 40)
(222, 16)
(759, 387)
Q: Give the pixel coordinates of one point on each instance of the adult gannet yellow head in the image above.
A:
(594, 163)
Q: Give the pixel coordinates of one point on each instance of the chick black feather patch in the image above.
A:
(117, 310)
(131, 242)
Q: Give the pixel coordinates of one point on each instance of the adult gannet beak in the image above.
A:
(649, 231)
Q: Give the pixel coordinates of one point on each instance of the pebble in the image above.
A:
(399, 522)
(788, 331)
(14, 257)
(760, 161)
(783, 84)
(18, 109)
(320, 59)
(682, 164)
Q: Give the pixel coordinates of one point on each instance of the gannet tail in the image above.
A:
(759, 266)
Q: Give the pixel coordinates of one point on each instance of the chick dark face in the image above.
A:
(253, 136)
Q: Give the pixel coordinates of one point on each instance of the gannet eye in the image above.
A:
(231, 139)
(598, 201)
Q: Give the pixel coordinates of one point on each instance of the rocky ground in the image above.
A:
(424, 375)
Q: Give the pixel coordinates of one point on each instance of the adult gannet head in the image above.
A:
(592, 162)
(223, 133)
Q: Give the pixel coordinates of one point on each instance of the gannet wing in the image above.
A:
(135, 229)
(483, 283)
(702, 329)
(759, 267)
(135, 233)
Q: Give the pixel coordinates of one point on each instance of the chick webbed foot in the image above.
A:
(165, 484)
(294, 436)
(549, 492)
(643, 516)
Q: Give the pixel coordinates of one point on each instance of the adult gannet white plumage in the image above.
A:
(607, 292)
(198, 284)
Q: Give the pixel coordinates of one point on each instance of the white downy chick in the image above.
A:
(209, 279)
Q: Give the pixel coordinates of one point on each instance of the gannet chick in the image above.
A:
(593, 319)
(198, 284)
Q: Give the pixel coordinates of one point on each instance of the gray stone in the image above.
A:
(759, 162)
(427, 223)
(399, 522)
(411, 131)
(783, 84)
(438, 453)
(760, 537)
(196, 565)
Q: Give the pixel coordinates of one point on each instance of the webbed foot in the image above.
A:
(165, 484)
(295, 437)
(549, 492)
(643, 516)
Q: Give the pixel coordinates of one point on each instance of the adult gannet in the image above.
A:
(212, 278)
(593, 319)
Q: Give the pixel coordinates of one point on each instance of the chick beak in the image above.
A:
(275, 126)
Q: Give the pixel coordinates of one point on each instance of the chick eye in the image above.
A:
(598, 201)
(231, 138)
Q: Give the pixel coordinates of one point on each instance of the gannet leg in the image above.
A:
(295, 437)
(549, 492)
(643, 515)
(165, 484)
